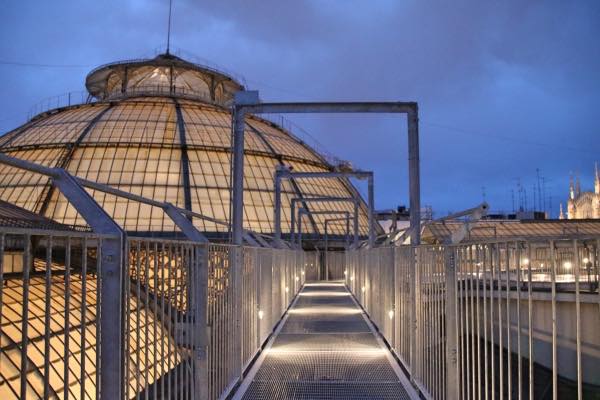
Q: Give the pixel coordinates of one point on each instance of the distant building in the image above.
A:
(583, 205)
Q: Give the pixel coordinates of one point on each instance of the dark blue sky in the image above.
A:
(503, 87)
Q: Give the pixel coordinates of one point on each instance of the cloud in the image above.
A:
(503, 87)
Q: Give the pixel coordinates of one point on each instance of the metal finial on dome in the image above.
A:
(169, 27)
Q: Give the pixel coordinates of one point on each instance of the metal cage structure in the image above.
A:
(494, 319)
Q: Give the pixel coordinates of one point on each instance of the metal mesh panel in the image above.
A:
(327, 391)
(325, 350)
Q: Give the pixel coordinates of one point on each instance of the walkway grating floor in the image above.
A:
(325, 349)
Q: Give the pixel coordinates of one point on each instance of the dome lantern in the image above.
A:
(165, 74)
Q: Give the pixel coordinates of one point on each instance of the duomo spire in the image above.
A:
(582, 204)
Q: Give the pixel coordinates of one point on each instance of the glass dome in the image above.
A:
(160, 129)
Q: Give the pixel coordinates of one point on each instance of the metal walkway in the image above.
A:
(325, 348)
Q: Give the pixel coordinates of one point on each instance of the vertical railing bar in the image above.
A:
(462, 322)
(138, 305)
(530, 320)
(492, 345)
(127, 319)
(174, 307)
(98, 313)
(67, 333)
(25, 315)
(438, 338)
(161, 292)
(184, 286)
(179, 310)
(47, 312)
(83, 312)
(519, 365)
(500, 335)
(146, 313)
(478, 339)
(469, 326)
(155, 321)
(442, 325)
(508, 323)
(484, 250)
(554, 354)
(576, 265)
(436, 342)
(190, 287)
(430, 326)
(169, 307)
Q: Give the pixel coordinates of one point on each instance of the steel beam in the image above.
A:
(295, 200)
(282, 173)
(327, 221)
(248, 102)
(237, 191)
(304, 211)
(185, 224)
(111, 260)
(331, 108)
(414, 178)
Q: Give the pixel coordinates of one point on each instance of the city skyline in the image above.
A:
(524, 75)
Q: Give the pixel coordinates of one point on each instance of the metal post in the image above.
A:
(347, 232)
(451, 337)
(111, 262)
(355, 224)
(277, 210)
(414, 179)
(326, 251)
(299, 231)
(292, 222)
(200, 273)
(413, 327)
(237, 201)
(371, 201)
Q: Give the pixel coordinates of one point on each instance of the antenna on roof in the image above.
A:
(169, 27)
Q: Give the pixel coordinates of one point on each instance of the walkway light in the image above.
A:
(345, 272)
(526, 261)
(287, 289)
(297, 278)
(567, 265)
(351, 278)
(391, 314)
(260, 314)
(363, 289)
(586, 260)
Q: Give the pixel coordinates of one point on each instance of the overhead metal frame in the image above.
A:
(284, 173)
(246, 102)
(294, 200)
(303, 211)
(327, 221)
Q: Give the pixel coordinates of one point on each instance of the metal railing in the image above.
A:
(516, 319)
(129, 317)
(193, 315)
(83, 97)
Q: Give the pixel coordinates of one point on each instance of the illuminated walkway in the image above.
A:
(325, 349)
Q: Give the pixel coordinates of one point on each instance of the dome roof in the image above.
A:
(164, 74)
(169, 148)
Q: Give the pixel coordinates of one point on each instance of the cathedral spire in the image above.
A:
(577, 186)
(596, 180)
(561, 215)
(571, 187)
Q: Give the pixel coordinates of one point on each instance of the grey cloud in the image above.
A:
(503, 87)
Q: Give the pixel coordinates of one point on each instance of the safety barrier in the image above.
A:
(192, 318)
(489, 320)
